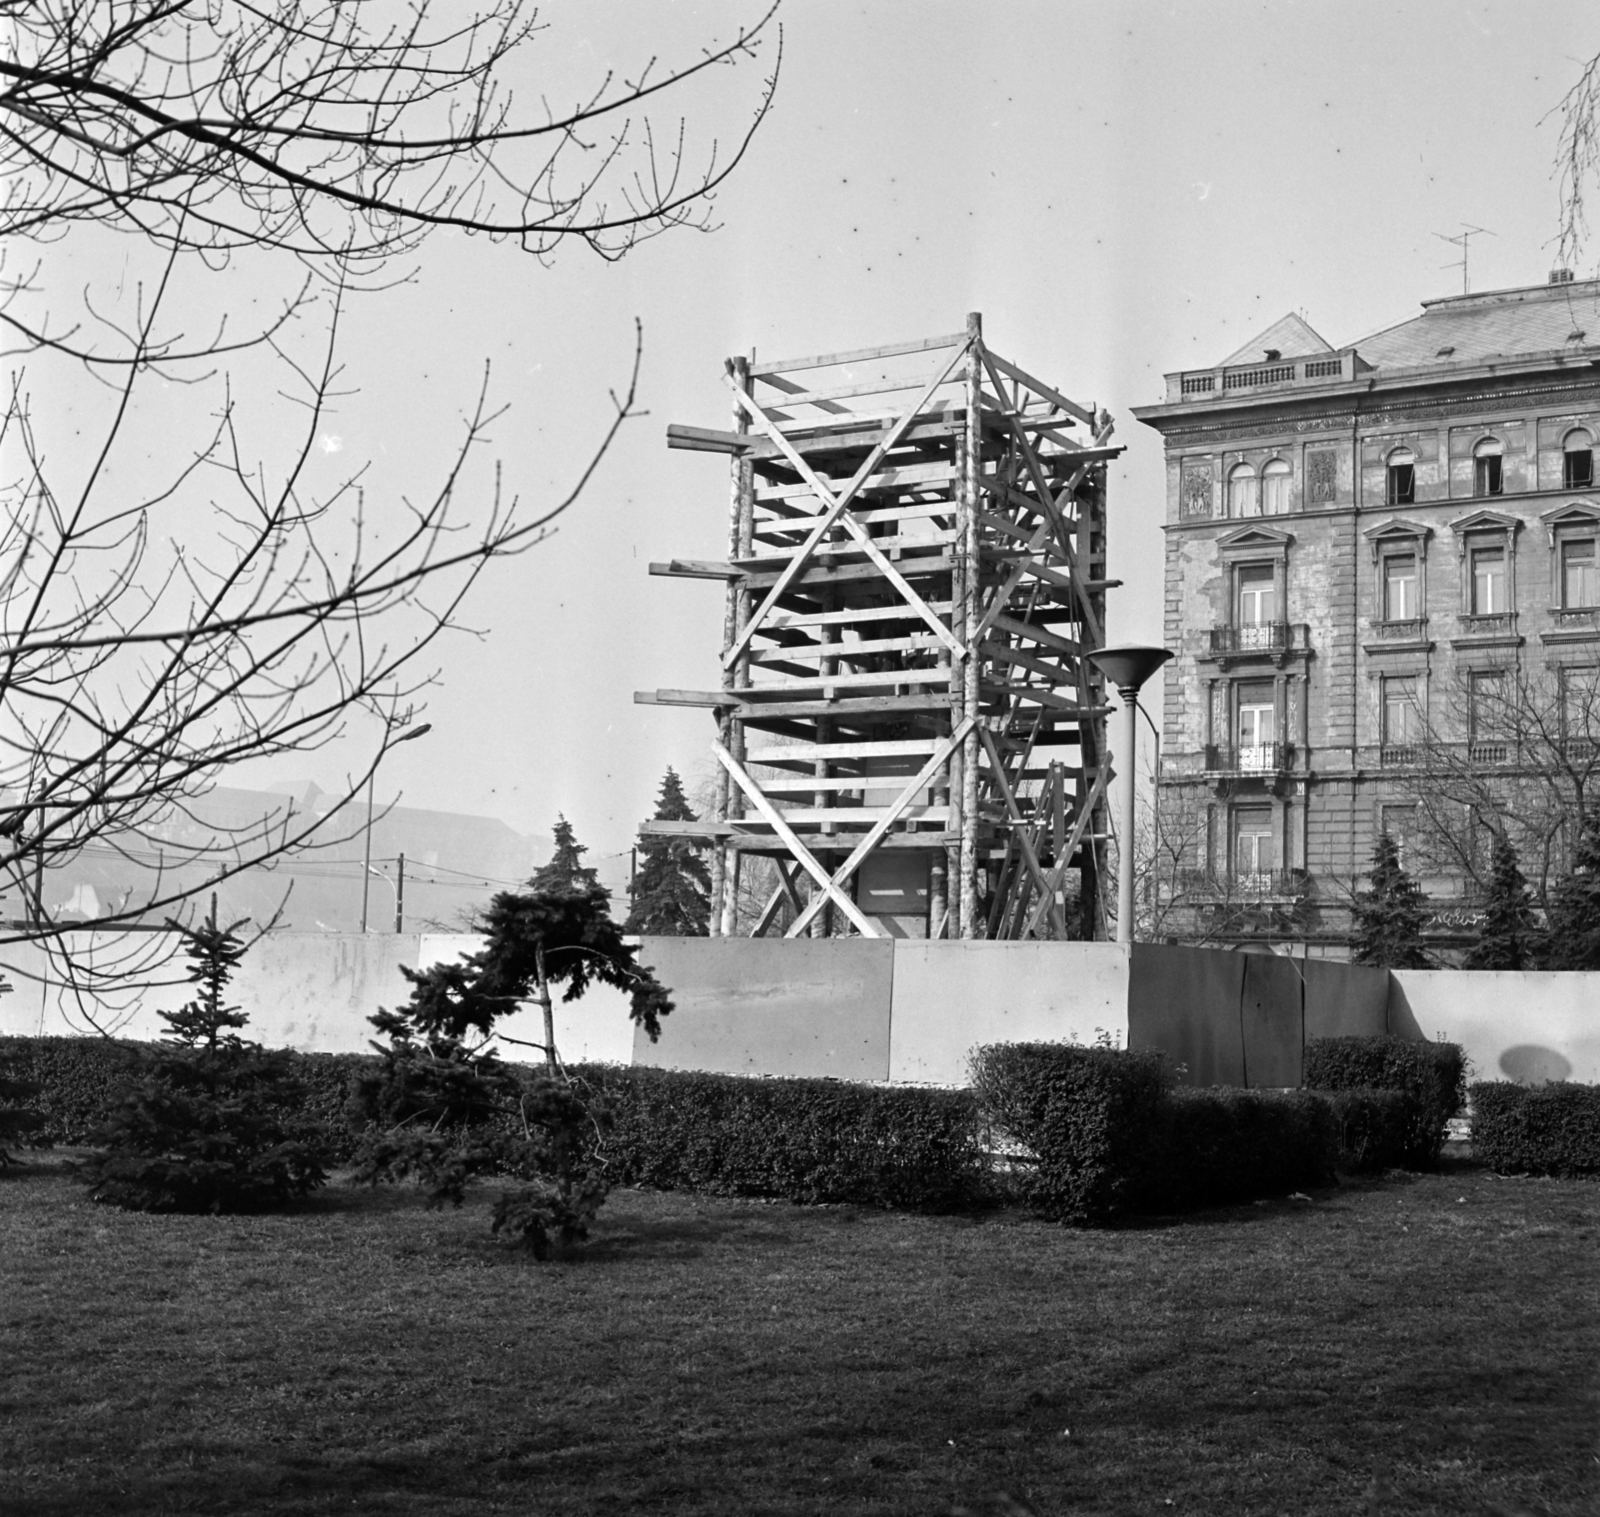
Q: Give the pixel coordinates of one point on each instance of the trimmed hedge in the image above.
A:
(81, 1082)
(1372, 1128)
(1109, 1133)
(798, 1140)
(1091, 1118)
(1432, 1077)
(1540, 1130)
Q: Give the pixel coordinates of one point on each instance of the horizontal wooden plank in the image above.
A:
(832, 393)
(705, 698)
(848, 707)
(858, 355)
(858, 614)
(803, 817)
(936, 538)
(915, 567)
(689, 568)
(1036, 634)
(884, 479)
(806, 752)
(1020, 660)
(829, 438)
(851, 681)
(800, 784)
(709, 439)
(861, 649)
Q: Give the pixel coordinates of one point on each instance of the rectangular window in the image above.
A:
(1577, 469)
(1489, 581)
(1400, 587)
(1402, 719)
(1580, 577)
(1488, 475)
(1400, 822)
(1486, 713)
(1253, 855)
(1580, 710)
(1256, 728)
(1258, 596)
(1402, 484)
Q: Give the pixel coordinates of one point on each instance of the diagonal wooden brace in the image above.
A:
(783, 891)
(803, 855)
(1059, 871)
(836, 509)
(1019, 831)
(887, 820)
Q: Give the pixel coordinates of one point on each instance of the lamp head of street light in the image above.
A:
(1129, 666)
(422, 731)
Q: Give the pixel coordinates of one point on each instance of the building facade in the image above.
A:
(1382, 587)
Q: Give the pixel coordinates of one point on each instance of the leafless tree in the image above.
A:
(168, 611)
(1577, 160)
(1515, 754)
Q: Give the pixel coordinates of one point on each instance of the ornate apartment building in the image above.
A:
(1367, 549)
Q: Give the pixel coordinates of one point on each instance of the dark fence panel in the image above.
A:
(1345, 1000)
(1270, 1021)
(1185, 1001)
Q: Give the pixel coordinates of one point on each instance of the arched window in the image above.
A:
(1244, 494)
(1402, 477)
(1275, 488)
(1577, 460)
(1486, 475)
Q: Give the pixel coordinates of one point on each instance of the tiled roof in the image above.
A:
(1496, 324)
(1288, 337)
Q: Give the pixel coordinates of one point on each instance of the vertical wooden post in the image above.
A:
(740, 537)
(972, 470)
(400, 896)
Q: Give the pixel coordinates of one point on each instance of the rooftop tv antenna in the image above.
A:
(1463, 240)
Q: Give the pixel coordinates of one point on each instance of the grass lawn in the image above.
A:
(370, 1356)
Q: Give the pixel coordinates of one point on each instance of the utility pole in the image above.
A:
(400, 896)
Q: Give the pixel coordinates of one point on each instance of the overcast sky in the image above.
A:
(1122, 189)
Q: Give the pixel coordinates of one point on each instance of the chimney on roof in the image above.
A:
(1560, 276)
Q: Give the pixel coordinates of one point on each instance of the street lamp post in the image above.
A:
(366, 861)
(1127, 668)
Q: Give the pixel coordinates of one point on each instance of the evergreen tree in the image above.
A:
(1574, 934)
(1389, 916)
(1511, 937)
(445, 1110)
(672, 892)
(565, 866)
(209, 1122)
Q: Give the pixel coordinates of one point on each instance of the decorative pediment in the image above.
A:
(1397, 530)
(1485, 521)
(1570, 514)
(1255, 542)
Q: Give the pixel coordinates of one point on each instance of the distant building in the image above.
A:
(1365, 547)
(453, 863)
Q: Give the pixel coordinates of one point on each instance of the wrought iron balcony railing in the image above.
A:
(1244, 885)
(1259, 637)
(1252, 758)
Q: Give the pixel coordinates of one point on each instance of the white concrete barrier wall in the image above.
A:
(1514, 1025)
(312, 991)
(951, 997)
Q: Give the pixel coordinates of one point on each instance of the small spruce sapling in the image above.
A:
(208, 1122)
(1389, 916)
(1511, 937)
(445, 1110)
(672, 892)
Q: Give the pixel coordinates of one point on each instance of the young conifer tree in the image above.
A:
(1574, 937)
(209, 1122)
(445, 1110)
(1389, 916)
(1511, 937)
(672, 892)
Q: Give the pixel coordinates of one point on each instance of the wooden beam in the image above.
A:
(694, 568)
(710, 699)
(708, 439)
(857, 355)
(803, 855)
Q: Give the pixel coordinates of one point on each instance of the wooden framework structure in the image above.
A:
(906, 721)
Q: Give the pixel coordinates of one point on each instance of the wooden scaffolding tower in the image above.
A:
(906, 722)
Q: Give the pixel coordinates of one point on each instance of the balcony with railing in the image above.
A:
(1250, 758)
(1259, 640)
(1276, 373)
(1573, 624)
(1221, 885)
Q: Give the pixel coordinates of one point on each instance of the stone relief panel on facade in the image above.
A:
(1195, 496)
(1322, 477)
